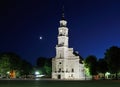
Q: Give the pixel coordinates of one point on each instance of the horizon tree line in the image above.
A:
(109, 63)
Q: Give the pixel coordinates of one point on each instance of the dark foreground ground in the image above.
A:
(59, 83)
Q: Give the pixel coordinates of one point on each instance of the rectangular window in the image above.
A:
(72, 70)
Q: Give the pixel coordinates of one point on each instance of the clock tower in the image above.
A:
(66, 64)
(62, 46)
(63, 33)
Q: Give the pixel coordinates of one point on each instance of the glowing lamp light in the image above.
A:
(8, 72)
(37, 73)
(107, 73)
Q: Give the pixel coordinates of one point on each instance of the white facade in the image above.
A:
(66, 65)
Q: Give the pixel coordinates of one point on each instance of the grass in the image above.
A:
(59, 83)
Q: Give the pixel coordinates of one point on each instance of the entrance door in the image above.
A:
(59, 76)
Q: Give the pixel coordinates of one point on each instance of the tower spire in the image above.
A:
(63, 13)
(63, 22)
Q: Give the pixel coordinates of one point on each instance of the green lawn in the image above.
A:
(53, 83)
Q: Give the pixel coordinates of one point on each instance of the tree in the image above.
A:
(26, 68)
(41, 61)
(112, 56)
(12, 63)
(9, 62)
(48, 66)
(15, 61)
(4, 64)
(102, 66)
(45, 65)
(91, 64)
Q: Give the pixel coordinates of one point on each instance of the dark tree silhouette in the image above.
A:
(26, 68)
(45, 65)
(102, 66)
(41, 61)
(91, 63)
(112, 56)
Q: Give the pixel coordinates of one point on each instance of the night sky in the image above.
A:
(94, 26)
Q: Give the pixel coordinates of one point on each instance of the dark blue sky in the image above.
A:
(94, 26)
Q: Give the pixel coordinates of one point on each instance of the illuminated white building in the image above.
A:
(66, 65)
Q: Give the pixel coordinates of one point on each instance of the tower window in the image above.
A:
(59, 69)
(66, 70)
(72, 70)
